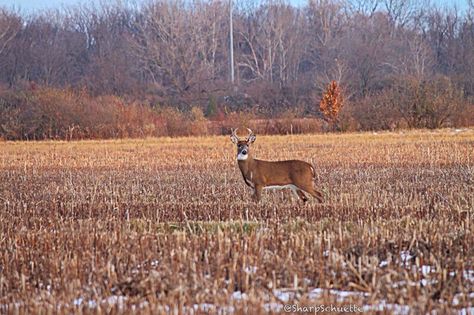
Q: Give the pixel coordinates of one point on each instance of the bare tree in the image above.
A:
(178, 48)
(401, 11)
(175, 52)
(364, 7)
(270, 39)
(10, 26)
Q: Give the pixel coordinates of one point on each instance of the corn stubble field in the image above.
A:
(168, 226)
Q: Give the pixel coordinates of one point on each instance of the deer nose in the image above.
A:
(244, 152)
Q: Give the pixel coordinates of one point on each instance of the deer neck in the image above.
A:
(246, 166)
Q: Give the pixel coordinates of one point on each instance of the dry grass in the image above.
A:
(168, 224)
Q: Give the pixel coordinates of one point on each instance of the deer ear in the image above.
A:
(252, 138)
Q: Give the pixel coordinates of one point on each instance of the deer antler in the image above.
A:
(251, 138)
(250, 132)
(234, 136)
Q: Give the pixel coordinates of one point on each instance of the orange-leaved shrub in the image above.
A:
(331, 103)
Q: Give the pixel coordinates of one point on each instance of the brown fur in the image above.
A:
(259, 174)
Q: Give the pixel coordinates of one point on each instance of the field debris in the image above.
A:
(168, 226)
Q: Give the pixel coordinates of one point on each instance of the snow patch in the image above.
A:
(384, 306)
(406, 256)
(237, 295)
(426, 270)
(283, 295)
(383, 263)
(250, 269)
(118, 300)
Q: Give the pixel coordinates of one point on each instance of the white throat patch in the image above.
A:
(242, 157)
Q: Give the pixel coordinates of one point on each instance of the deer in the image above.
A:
(297, 175)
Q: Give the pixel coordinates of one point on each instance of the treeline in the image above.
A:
(81, 70)
(64, 114)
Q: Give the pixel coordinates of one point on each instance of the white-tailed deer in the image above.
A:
(297, 175)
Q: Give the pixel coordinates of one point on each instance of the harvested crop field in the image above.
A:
(168, 226)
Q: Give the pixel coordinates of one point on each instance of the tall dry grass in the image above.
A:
(164, 225)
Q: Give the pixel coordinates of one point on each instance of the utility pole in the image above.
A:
(231, 35)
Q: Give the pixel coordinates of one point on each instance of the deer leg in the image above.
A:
(313, 192)
(301, 194)
(316, 194)
(257, 193)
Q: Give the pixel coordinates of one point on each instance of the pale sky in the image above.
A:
(32, 6)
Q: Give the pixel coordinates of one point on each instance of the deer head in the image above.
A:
(243, 146)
